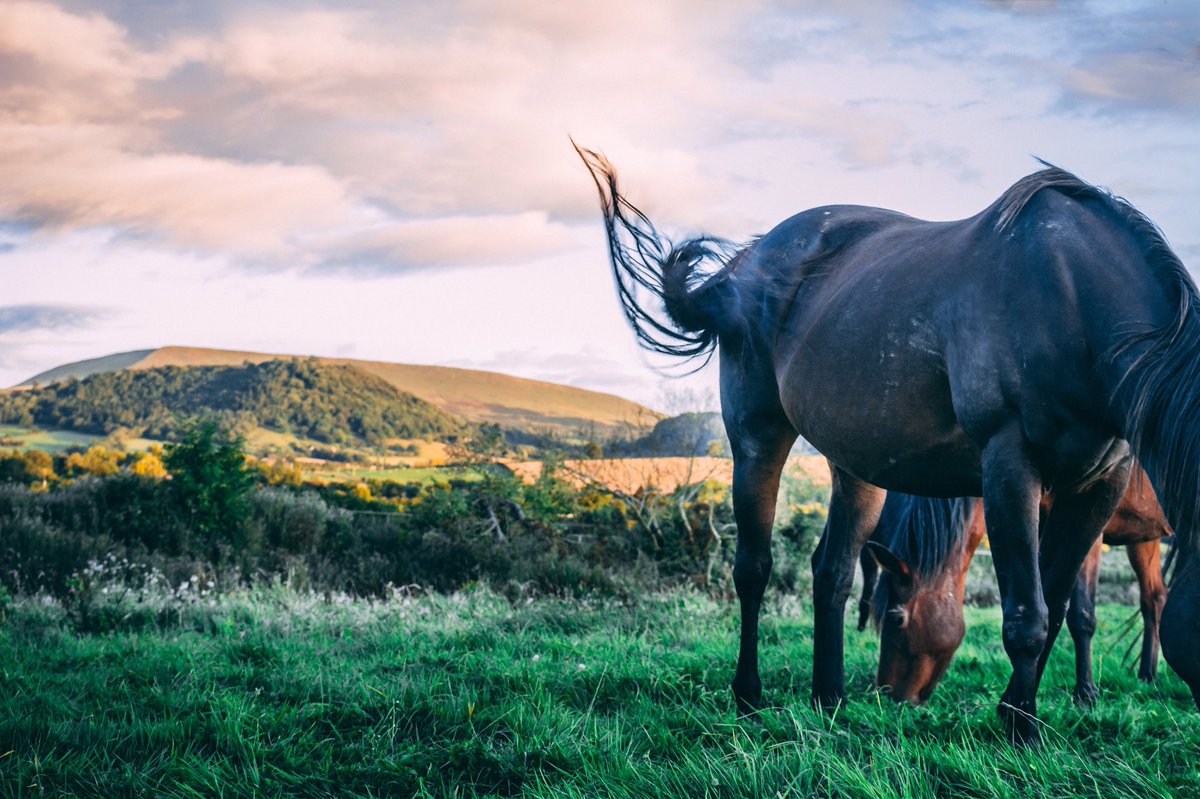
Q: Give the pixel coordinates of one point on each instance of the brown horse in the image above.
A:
(1035, 345)
(920, 616)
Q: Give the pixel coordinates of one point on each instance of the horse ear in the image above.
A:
(889, 561)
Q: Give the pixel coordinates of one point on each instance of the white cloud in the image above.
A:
(449, 241)
(421, 139)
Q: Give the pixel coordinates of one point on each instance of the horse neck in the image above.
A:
(976, 531)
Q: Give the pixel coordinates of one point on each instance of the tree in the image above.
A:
(97, 461)
(150, 465)
(210, 481)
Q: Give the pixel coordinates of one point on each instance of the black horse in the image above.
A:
(1028, 348)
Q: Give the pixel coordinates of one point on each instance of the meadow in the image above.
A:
(277, 693)
(46, 440)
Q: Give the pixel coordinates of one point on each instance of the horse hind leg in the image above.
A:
(854, 508)
(870, 575)
(1146, 560)
(1071, 534)
(1081, 621)
(758, 460)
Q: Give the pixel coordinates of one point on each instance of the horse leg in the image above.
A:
(1177, 626)
(1081, 621)
(1072, 531)
(870, 574)
(1146, 560)
(854, 508)
(1012, 490)
(757, 464)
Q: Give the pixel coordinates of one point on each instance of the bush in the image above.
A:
(210, 481)
(545, 538)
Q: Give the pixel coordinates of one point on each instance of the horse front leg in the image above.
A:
(1081, 621)
(853, 514)
(1146, 560)
(1011, 494)
(757, 465)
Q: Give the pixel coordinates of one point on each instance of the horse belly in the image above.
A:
(885, 416)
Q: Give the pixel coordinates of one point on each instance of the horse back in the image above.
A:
(900, 346)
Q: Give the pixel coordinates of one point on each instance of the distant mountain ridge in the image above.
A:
(328, 403)
(475, 395)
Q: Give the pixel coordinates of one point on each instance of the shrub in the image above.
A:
(210, 481)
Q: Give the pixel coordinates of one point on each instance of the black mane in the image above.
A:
(923, 532)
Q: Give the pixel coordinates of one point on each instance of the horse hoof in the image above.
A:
(1086, 695)
(864, 615)
(1029, 736)
(748, 707)
(1146, 676)
(1021, 726)
(828, 704)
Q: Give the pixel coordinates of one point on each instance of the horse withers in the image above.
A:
(1033, 346)
(917, 604)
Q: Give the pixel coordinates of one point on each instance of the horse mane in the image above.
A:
(1161, 364)
(923, 532)
(1158, 252)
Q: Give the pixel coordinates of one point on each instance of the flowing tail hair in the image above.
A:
(646, 262)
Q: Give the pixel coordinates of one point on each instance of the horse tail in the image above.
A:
(1158, 392)
(645, 261)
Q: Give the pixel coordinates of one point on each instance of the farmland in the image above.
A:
(273, 693)
(46, 440)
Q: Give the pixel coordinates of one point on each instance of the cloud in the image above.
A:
(28, 318)
(327, 136)
(63, 68)
(448, 242)
(1113, 59)
(1118, 83)
(73, 176)
(590, 368)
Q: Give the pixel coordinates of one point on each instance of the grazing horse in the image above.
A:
(917, 605)
(1032, 346)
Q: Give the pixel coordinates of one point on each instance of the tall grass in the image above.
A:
(276, 693)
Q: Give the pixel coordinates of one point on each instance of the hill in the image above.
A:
(477, 396)
(329, 403)
(686, 435)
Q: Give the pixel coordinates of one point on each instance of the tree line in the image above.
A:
(334, 404)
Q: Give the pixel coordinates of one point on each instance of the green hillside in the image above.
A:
(474, 395)
(335, 404)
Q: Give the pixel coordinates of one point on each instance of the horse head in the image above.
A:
(920, 626)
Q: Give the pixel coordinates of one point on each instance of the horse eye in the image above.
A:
(898, 616)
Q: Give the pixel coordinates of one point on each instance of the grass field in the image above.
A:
(275, 694)
(420, 476)
(45, 440)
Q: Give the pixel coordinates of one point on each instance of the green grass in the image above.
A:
(45, 440)
(275, 694)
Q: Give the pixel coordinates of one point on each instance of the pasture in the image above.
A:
(275, 693)
(408, 475)
(17, 437)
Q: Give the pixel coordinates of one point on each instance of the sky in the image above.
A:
(395, 181)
